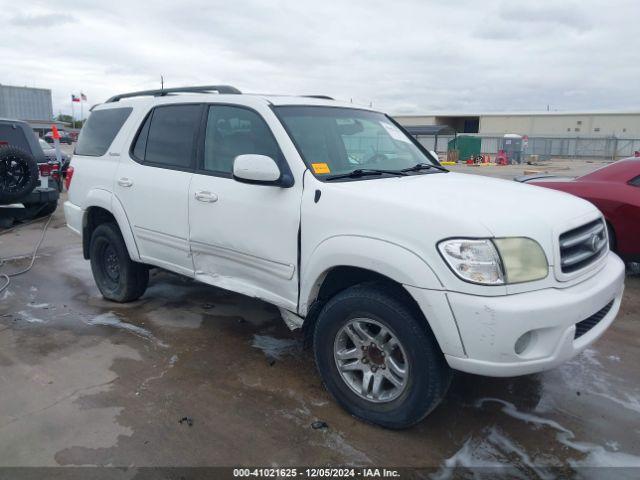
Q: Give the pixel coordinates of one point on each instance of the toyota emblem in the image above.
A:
(593, 244)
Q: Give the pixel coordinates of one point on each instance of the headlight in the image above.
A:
(522, 258)
(475, 261)
(497, 262)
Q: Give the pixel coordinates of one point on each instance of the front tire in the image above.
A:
(118, 277)
(378, 359)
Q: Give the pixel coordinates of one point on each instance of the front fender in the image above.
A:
(385, 258)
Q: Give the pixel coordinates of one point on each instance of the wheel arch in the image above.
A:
(341, 277)
(380, 258)
(103, 207)
(344, 261)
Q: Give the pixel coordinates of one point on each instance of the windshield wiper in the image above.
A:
(424, 166)
(361, 172)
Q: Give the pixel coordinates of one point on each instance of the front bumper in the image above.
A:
(490, 326)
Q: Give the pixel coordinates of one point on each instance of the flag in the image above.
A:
(74, 98)
(83, 97)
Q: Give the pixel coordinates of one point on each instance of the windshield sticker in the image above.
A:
(320, 168)
(395, 132)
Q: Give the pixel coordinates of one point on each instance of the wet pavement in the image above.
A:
(88, 382)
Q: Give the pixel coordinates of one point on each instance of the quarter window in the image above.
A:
(233, 131)
(141, 142)
(98, 132)
(168, 136)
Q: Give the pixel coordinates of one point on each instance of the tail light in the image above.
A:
(55, 171)
(68, 177)
(45, 169)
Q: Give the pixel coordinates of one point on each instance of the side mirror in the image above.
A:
(252, 168)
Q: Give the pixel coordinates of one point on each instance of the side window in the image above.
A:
(168, 136)
(98, 132)
(233, 131)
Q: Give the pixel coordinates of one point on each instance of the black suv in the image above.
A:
(22, 161)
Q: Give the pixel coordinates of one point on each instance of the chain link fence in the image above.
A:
(550, 147)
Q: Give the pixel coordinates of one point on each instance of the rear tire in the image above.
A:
(424, 374)
(118, 277)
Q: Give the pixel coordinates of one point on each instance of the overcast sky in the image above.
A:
(403, 56)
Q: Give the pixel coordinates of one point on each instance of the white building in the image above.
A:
(535, 124)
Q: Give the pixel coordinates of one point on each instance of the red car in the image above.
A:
(615, 190)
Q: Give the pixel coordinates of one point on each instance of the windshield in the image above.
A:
(335, 141)
(44, 145)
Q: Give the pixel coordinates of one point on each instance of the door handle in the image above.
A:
(204, 196)
(125, 182)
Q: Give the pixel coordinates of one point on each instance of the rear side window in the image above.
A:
(168, 136)
(13, 136)
(100, 130)
(635, 181)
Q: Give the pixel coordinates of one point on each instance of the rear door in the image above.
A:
(244, 237)
(152, 183)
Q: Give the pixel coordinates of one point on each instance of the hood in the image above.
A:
(455, 204)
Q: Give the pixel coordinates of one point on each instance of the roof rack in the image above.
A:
(322, 97)
(166, 91)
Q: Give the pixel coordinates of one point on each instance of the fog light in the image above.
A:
(523, 342)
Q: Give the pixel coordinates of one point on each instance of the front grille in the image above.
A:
(585, 325)
(582, 246)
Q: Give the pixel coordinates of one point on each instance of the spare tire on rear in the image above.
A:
(18, 174)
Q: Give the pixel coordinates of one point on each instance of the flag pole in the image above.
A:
(72, 111)
(81, 108)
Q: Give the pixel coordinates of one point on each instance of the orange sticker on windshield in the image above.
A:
(320, 168)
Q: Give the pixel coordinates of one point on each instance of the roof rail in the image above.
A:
(322, 97)
(165, 91)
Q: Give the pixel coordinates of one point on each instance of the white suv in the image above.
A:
(399, 270)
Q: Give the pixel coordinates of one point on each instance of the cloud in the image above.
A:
(567, 14)
(44, 20)
(403, 56)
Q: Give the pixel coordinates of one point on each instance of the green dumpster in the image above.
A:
(467, 146)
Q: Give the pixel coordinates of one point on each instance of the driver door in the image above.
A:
(243, 237)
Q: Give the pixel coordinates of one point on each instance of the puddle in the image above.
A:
(586, 373)
(498, 453)
(110, 319)
(276, 348)
(27, 317)
(175, 318)
(51, 406)
(596, 455)
(326, 437)
(38, 305)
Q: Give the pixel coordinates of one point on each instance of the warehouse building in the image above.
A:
(562, 134)
(33, 105)
(598, 124)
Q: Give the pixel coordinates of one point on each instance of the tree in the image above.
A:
(67, 119)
